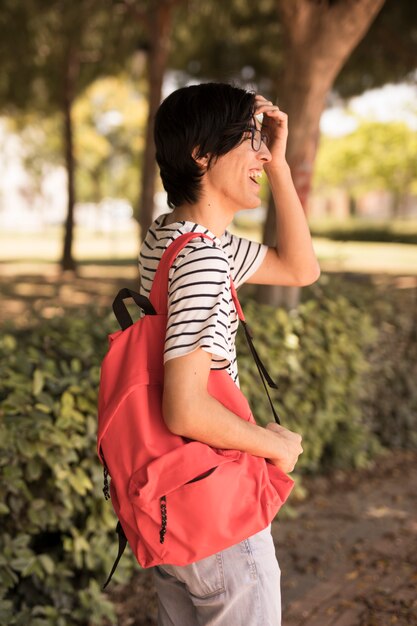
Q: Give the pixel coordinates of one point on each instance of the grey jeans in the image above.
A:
(239, 586)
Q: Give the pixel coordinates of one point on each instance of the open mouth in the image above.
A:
(255, 176)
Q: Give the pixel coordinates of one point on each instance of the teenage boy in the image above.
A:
(212, 149)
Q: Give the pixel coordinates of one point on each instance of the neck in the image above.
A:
(204, 212)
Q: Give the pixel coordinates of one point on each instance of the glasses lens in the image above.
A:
(256, 139)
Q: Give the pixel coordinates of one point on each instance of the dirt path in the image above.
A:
(349, 557)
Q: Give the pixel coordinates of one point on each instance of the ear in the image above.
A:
(201, 161)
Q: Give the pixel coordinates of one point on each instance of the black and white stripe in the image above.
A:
(201, 312)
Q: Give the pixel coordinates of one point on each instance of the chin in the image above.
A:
(253, 205)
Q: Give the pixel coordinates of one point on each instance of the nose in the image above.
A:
(263, 153)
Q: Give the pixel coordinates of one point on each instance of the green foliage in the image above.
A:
(316, 356)
(246, 37)
(249, 39)
(387, 52)
(375, 156)
(57, 541)
(42, 150)
(109, 124)
(390, 398)
(109, 120)
(388, 395)
(53, 50)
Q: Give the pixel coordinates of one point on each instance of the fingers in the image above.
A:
(274, 426)
(290, 448)
(281, 429)
(263, 103)
(271, 110)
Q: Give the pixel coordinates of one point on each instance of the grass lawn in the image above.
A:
(121, 248)
(366, 257)
(46, 247)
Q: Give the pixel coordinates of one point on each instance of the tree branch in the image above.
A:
(329, 30)
(351, 19)
(344, 22)
(132, 7)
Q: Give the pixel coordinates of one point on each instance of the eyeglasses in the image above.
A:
(257, 138)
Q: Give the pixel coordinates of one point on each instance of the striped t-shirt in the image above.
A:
(201, 311)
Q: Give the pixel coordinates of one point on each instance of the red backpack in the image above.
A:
(177, 501)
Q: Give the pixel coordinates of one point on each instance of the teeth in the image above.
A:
(254, 175)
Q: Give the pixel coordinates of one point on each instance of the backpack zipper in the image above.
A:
(163, 505)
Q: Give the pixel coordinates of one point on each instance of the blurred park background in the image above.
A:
(79, 85)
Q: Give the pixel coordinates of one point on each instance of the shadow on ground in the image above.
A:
(30, 291)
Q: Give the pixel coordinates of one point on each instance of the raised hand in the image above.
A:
(275, 126)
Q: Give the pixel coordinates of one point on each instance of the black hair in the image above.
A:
(211, 117)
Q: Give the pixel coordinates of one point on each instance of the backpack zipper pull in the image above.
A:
(106, 487)
(163, 504)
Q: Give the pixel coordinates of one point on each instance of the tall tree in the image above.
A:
(318, 38)
(294, 53)
(156, 19)
(52, 50)
(245, 43)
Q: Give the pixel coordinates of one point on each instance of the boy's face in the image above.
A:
(233, 181)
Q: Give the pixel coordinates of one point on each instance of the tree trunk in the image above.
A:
(319, 39)
(397, 204)
(353, 208)
(70, 77)
(159, 19)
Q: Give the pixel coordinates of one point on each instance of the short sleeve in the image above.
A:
(199, 303)
(245, 256)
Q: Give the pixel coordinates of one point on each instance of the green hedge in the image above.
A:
(346, 371)
(388, 395)
(390, 399)
(56, 539)
(315, 354)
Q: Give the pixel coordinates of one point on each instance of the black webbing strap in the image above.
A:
(261, 369)
(120, 310)
(122, 546)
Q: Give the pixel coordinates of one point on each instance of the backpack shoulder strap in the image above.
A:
(159, 291)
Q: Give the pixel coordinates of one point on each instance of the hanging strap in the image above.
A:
(263, 373)
(122, 546)
(261, 369)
